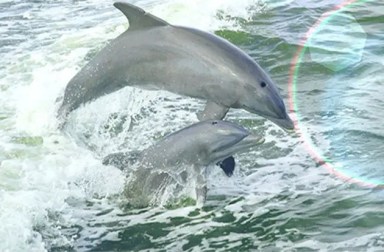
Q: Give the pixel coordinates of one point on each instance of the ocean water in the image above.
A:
(317, 189)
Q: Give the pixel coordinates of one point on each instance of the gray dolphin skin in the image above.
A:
(152, 54)
(197, 145)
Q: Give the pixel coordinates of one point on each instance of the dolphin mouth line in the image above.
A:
(229, 145)
(242, 146)
(249, 141)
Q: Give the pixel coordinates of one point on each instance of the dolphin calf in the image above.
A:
(198, 145)
(153, 54)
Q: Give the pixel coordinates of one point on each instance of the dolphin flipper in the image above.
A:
(228, 165)
(213, 111)
(121, 160)
(138, 19)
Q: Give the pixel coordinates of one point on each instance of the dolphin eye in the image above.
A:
(263, 84)
(214, 123)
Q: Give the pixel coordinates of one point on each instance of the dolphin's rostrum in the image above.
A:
(152, 54)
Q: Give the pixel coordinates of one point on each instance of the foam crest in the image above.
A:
(205, 15)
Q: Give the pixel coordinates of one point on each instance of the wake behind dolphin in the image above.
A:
(196, 146)
(152, 54)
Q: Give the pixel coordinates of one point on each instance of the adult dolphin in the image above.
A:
(198, 145)
(152, 54)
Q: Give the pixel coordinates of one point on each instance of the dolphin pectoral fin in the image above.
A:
(138, 18)
(121, 160)
(228, 165)
(212, 110)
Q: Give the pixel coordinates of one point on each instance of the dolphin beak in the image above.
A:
(231, 138)
(247, 142)
(286, 123)
(241, 146)
(278, 112)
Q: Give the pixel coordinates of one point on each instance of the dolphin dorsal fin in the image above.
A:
(138, 18)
